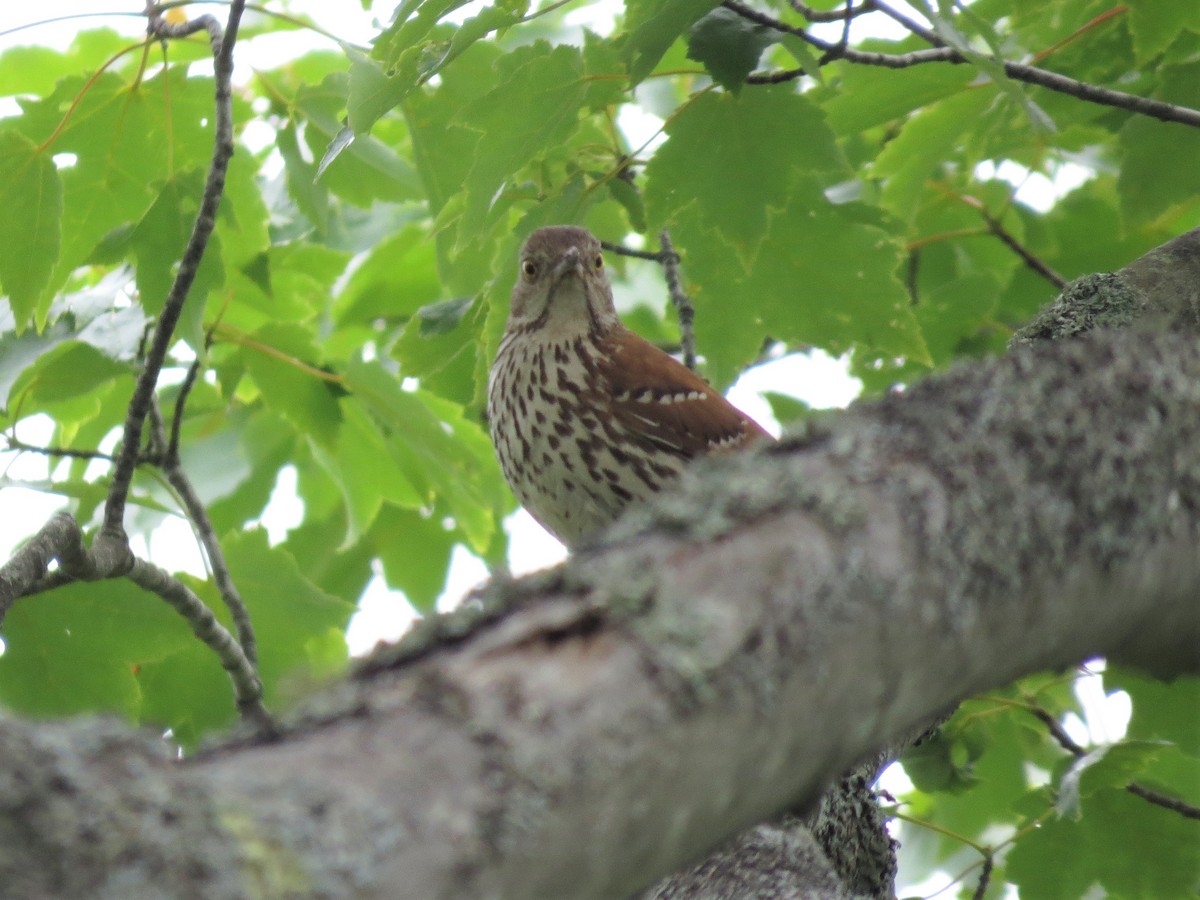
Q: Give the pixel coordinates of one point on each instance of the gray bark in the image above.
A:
(723, 657)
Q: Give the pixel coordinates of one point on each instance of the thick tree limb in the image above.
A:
(737, 646)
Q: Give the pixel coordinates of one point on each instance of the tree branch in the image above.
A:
(246, 683)
(139, 405)
(1167, 112)
(1138, 790)
(680, 299)
(198, 515)
(669, 260)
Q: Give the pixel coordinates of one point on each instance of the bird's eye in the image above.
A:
(599, 262)
(529, 268)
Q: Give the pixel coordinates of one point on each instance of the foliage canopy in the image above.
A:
(355, 289)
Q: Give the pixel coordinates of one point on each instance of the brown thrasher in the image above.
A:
(586, 416)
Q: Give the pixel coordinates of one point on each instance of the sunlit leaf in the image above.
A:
(30, 222)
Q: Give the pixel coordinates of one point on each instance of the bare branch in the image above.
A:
(59, 539)
(833, 15)
(194, 508)
(1175, 805)
(669, 260)
(682, 302)
(1167, 112)
(1138, 790)
(246, 683)
(16, 444)
(139, 405)
(180, 404)
(216, 559)
(1035, 263)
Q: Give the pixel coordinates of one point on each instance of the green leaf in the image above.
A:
(788, 410)
(34, 71)
(439, 318)
(367, 472)
(372, 93)
(65, 373)
(991, 64)
(367, 169)
(343, 139)
(955, 312)
(126, 141)
(652, 26)
(926, 139)
(444, 360)
(540, 77)
(439, 450)
(821, 278)
(31, 207)
(1158, 171)
(266, 443)
(1161, 711)
(870, 96)
(729, 46)
(79, 648)
(1105, 768)
(415, 551)
(1128, 846)
(769, 136)
(1156, 24)
(284, 371)
(397, 277)
(605, 71)
(443, 154)
(296, 623)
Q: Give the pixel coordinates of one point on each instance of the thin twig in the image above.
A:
(139, 405)
(622, 250)
(1057, 731)
(1041, 267)
(246, 684)
(682, 302)
(180, 403)
(1184, 809)
(1064, 740)
(669, 260)
(198, 515)
(16, 444)
(985, 877)
(216, 559)
(1167, 112)
(833, 15)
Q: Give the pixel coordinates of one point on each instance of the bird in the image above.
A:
(587, 417)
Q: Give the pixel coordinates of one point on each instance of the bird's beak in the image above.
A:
(568, 264)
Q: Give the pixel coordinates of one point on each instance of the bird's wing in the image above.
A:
(660, 402)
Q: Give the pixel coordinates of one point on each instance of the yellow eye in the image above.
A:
(529, 268)
(599, 262)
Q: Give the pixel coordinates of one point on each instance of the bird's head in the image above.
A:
(562, 284)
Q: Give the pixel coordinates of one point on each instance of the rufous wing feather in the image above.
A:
(661, 402)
